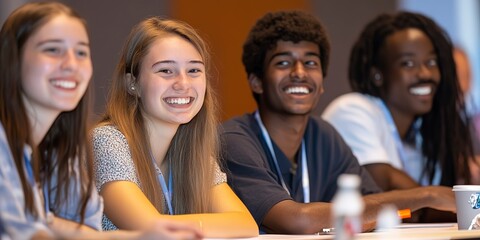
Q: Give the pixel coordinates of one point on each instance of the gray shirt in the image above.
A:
(113, 162)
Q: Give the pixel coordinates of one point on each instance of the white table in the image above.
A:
(404, 231)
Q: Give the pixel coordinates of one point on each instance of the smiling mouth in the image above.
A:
(422, 90)
(64, 84)
(179, 100)
(297, 90)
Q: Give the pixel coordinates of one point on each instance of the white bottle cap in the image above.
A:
(348, 181)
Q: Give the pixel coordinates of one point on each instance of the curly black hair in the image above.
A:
(290, 25)
(444, 129)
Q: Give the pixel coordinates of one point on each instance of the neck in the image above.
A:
(402, 121)
(160, 136)
(286, 131)
(40, 123)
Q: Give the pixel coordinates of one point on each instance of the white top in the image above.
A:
(364, 126)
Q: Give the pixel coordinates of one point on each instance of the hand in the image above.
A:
(172, 229)
(442, 198)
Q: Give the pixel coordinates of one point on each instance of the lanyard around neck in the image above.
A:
(167, 192)
(305, 178)
(396, 135)
(33, 184)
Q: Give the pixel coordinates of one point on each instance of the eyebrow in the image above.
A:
(173, 62)
(60, 41)
(409, 54)
(290, 54)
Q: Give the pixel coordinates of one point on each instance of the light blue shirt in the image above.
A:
(17, 222)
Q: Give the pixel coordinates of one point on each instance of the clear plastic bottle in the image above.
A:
(348, 207)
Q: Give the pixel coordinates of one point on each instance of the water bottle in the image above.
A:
(348, 207)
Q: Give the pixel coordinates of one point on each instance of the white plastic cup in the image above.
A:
(467, 199)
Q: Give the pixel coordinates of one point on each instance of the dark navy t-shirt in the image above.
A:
(252, 175)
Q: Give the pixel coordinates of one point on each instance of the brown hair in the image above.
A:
(195, 144)
(64, 146)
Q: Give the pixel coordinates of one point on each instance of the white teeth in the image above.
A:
(425, 90)
(180, 101)
(64, 84)
(303, 90)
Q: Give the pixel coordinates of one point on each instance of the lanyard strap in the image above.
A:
(33, 184)
(167, 192)
(305, 178)
(396, 135)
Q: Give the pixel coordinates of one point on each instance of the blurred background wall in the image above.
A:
(225, 24)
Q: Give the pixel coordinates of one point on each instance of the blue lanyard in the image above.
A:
(305, 178)
(33, 184)
(167, 192)
(396, 135)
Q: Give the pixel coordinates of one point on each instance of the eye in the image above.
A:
(83, 53)
(53, 50)
(282, 63)
(195, 70)
(407, 64)
(165, 71)
(432, 63)
(312, 63)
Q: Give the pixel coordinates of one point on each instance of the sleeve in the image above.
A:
(357, 121)
(351, 165)
(336, 159)
(112, 158)
(249, 174)
(16, 224)
(12, 215)
(94, 212)
(94, 209)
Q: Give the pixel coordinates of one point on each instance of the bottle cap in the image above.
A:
(348, 181)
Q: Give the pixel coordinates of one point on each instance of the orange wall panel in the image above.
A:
(225, 25)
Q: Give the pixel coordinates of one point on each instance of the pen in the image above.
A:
(327, 231)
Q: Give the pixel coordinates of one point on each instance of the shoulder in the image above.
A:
(352, 100)
(320, 126)
(353, 108)
(107, 132)
(238, 124)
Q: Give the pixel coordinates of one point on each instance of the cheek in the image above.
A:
(32, 71)
(87, 71)
(200, 87)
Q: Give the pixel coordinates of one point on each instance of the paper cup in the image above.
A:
(467, 199)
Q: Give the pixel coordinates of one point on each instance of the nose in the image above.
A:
(69, 61)
(181, 83)
(298, 71)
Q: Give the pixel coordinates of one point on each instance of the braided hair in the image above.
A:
(445, 133)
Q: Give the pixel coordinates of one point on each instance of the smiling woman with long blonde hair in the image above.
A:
(156, 148)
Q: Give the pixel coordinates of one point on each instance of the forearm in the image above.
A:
(63, 225)
(437, 197)
(225, 225)
(298, 218)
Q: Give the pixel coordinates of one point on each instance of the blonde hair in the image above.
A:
(194, 148)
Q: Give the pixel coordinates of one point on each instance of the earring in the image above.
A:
(132, 87)
(377, 77)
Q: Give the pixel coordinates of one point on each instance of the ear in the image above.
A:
(131, 85)
(255, 84)
(376, 77)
